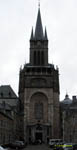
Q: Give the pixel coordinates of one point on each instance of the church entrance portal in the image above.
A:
(38, 133)
(38, 136)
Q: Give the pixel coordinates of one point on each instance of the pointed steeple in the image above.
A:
(39, 28)
(46, 37)
(31, 38)
(39, 44)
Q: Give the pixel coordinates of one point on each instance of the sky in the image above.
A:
(16, 20)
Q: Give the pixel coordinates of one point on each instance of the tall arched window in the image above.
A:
(38, 110)
(42, 58)
(38, 57)
(34, 57)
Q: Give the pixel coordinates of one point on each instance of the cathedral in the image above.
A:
(39, 91)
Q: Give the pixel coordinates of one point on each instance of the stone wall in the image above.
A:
(6, 129)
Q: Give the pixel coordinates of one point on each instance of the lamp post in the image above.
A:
(63, 125)
(73, 127)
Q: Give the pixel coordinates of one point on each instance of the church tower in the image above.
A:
(39, 91)
(39, 45)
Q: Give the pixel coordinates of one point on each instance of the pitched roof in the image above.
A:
(8, 96)
(5, 106)
(7, 92)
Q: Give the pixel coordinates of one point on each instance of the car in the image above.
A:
(2, 148)
(53, 142)
(20, 142)
(59, 146)
(74, 146)
(17, 144)
(68, 146)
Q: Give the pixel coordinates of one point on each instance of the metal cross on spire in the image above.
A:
(38, 3)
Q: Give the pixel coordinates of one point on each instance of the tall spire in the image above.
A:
(39, 28)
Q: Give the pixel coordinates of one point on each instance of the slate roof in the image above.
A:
(6, 115)
(8, 96)
(68, 104)
(67, 100)
(6, 91)
(5, 106)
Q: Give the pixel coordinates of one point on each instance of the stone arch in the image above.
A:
(40, 100)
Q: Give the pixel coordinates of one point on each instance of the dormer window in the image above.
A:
(1, 94)
(9, 94)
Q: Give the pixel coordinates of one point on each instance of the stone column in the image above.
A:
(33, 134)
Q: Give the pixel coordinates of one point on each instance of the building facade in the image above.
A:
(39, 91)
(6, 128)
(7, 95)
(69, 119)
(8, 115)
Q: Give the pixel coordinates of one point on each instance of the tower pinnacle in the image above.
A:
(46, 38)
(31, 34)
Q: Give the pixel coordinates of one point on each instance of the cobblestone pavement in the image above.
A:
(37, 147)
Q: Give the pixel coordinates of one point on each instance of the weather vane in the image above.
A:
(38, 3)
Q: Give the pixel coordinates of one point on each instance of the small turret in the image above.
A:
(46, 37)
(32, 37)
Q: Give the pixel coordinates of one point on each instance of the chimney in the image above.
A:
(74, 99)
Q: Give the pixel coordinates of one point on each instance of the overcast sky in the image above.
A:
(16, 20)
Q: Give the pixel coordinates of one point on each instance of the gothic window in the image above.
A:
(38, 57)
(34, 57)
(29, 131)
(42, 58)
(38, 110)
(48, 131)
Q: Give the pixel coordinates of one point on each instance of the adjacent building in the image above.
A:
(7, 95)
(6, 127)
(69, 119)
(8, 114)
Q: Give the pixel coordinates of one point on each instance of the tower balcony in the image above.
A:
(39, 70)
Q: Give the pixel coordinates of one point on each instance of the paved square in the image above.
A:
(37, 147)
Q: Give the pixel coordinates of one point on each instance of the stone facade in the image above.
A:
(39, 91)
(69, 119)
(6, 129)
(9, 128)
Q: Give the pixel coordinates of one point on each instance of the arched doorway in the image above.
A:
(39, 133)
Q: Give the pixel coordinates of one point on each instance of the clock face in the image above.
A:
(38, 43)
